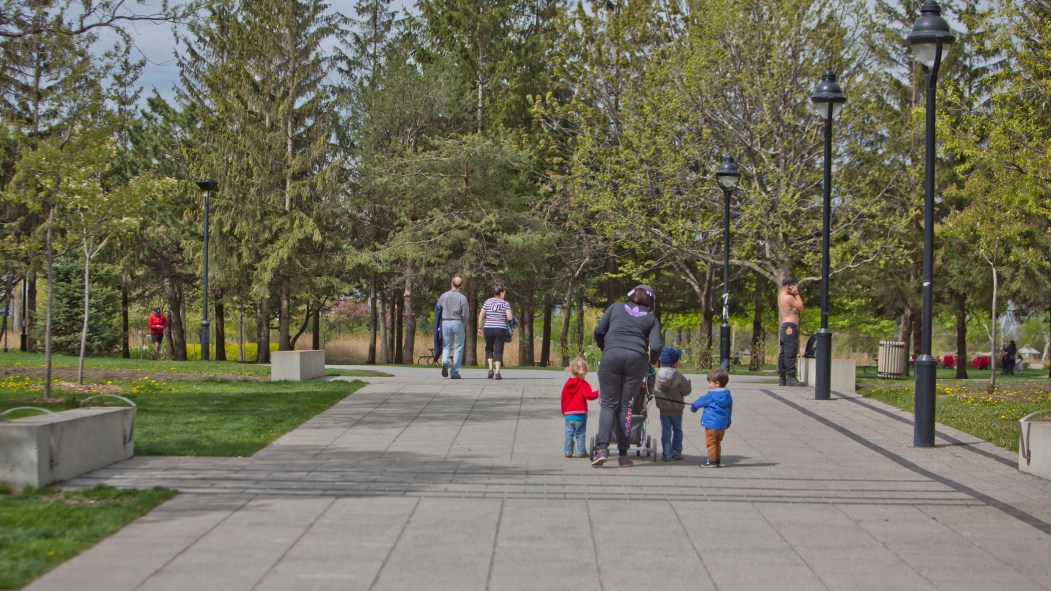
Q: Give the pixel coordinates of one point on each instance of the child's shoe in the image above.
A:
(583, 455)
(624, 462)
(710, 464)
(569, 455)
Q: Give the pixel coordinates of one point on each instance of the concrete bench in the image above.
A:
(54, 446)
(297, 365)
(1034, 444)
(843, 374)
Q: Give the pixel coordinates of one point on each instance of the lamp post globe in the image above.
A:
(930, 38)
(207, 186)
(828, 99)
(727, 176)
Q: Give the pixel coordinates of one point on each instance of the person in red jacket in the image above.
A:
(575, 395)
(158, 322)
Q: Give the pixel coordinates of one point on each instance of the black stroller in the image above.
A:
(641, 443)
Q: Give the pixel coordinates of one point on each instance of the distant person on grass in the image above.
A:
(575, 395)
(492, 325)
(455, 312)
(718, 407)
(157, 323)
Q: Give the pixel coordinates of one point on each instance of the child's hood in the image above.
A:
(720, 394)
(665, 373)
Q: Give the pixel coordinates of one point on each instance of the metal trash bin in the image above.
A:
(891, 360)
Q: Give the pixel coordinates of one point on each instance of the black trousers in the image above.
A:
(788, 338)
(620, 377)
(494, 343)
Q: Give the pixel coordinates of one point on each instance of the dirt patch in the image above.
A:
(101, 375)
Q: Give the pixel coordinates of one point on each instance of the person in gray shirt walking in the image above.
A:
(454, 313)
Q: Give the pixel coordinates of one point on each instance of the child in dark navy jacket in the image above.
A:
(575, 395)
(718, 406)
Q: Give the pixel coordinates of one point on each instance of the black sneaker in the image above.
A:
(710, 464)
(781, 379)
(498, 376)
(675, 457)
(600, 458)
(490, 374)
(455, 377)
(445, 370)
(792, 382)
(624, 462)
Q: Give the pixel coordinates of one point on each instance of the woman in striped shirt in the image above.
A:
(492, 323)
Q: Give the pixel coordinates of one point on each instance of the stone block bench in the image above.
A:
(1034, 444)
(297, 365)
(54, 446)
(843, 374)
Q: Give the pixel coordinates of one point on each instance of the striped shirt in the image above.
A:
(496, 313)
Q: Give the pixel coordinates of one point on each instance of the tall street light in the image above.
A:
(728, 175)
(206, 186)
(828, 99)
(930, 39)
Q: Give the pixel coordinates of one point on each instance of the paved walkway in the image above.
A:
(420, 483)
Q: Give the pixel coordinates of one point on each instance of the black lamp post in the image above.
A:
(206, 186)
(930, 38)
(828, 99)
(728, 175)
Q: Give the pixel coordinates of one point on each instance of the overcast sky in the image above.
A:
(156, 43)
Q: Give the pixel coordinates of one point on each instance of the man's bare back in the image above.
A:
(789, 303)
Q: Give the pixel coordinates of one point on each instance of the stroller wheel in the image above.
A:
(653, 450)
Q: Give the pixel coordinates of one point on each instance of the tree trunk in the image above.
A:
(757, 354)
(125, 325)
(284, 320)
(581, 337)
(906, 332)
(961, 337)
(399, 327)
(993, 352)
(525, 328)
(241, 329)
(86, 312)
(408, 347)
(385, 314)
(470, 352)
(173, 299)
(315, 337)
(567, 317)
(545, 345)
(262, 337)
(220, 328)
(50, 301)
(704, 360)
(373, 322)
(30, 319)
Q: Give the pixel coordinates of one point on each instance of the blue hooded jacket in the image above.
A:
(718, 405)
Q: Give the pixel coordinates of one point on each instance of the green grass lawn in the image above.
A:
(967, 405)
(203, 417)
(207, 368)
(41, 528)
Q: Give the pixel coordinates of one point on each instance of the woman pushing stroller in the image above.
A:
(630, 339)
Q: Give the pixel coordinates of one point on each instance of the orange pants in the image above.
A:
(713, 438)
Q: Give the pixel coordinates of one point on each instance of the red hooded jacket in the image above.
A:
(575, 395)
(157, 323)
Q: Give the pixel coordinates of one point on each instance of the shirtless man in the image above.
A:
(788, 306)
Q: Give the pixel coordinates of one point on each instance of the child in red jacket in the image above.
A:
(575, 395)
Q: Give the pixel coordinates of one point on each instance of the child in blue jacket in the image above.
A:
(718, 406)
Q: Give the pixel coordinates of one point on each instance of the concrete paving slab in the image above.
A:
(418, 482)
